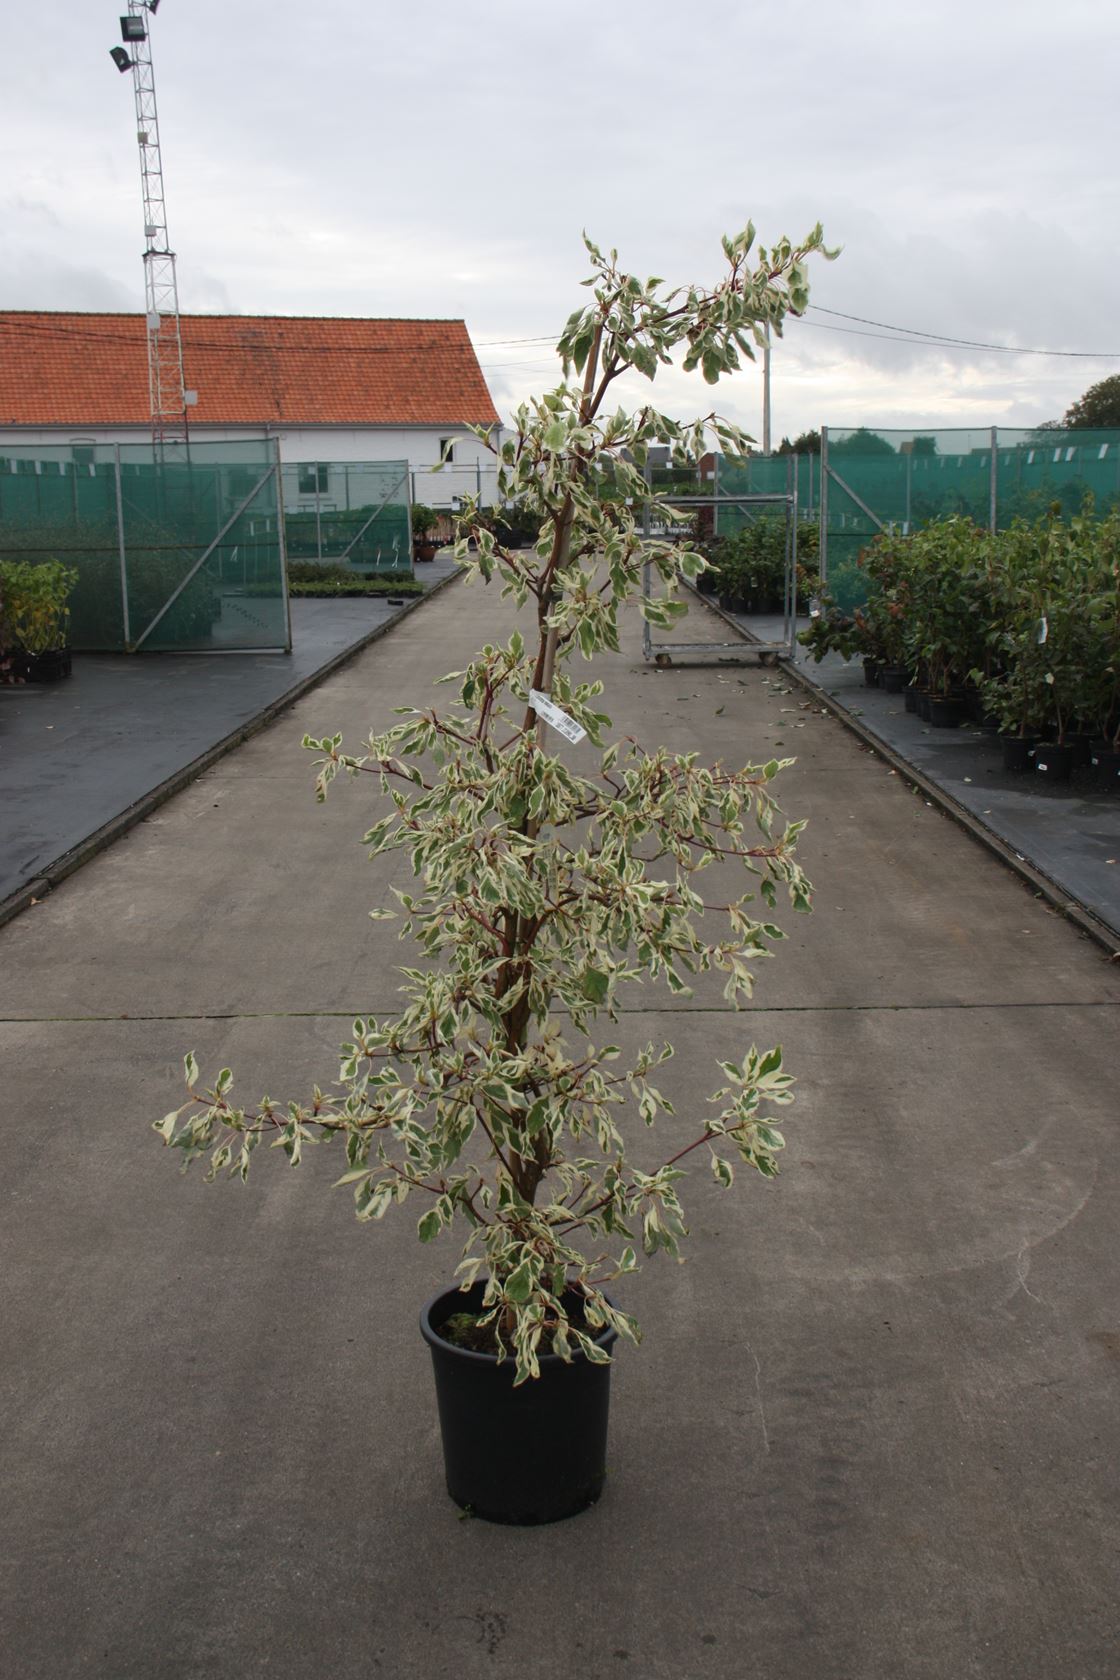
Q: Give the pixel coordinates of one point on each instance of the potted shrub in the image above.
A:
(535, 900)
(1016, 691)
(424, 521)
(8, 675)
(732, 582)
(829, 631)
(765, 541)
(37, 615)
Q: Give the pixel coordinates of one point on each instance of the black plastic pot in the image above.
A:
(944, 713)
(732, 603)
(911, 697)
(893, 678)
(923, 698)
(1106, 769)
(50, 666)
(533, 1454)
(1053, 761)
(1017, 750)
(871, 669)
(1082, 747)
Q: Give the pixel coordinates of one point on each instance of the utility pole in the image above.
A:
(169, 399)
(766, 393)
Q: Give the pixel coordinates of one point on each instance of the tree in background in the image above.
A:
(806, 443)
(1099, 406)
(861, 442)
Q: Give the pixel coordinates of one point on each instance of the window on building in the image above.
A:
(313, 477)
(447, 450)
(82, 454)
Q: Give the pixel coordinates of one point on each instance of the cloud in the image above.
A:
(37, 279)
(431, 160)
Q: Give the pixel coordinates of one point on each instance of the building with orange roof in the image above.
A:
(329, 388)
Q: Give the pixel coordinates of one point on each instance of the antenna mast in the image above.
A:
(167, 394)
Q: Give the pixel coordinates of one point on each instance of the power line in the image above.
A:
(891, 335)
(943, 338)
(489, 343)
(485, 365)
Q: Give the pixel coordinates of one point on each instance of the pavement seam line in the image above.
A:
(701, 1010)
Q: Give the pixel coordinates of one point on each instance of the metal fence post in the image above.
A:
(120, 544)
(647, 523)
(282, 545)
(993, 485)
(823, 542)
(909, 489)
(793, 473)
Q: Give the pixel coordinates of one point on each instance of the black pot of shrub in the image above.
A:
(1106, 768)
(1017, 750)
(535, 1453)
(944, 711)
(1053, 761)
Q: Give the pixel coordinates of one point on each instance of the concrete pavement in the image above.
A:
(872, 1431)
(1064, 838)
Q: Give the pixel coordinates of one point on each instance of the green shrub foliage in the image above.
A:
(36, 603)
(1030, 615)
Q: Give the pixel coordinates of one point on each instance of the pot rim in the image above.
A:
(605, 1338)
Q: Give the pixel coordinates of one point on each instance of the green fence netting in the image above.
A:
(901, 480)
(352, 513)
(762, 475)
(177, 550)
(865, 481)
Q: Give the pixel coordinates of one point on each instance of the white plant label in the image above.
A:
(1043, 631)
(560, 721)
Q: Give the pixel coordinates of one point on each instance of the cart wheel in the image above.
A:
(663, 659)
(768, 659)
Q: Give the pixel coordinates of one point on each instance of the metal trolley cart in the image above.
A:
(768, 652)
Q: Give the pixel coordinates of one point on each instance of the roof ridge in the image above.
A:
(216, 315)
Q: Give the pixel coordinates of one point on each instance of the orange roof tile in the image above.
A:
(91, 370)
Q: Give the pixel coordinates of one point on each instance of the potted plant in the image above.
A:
(8, 675)
(536, 900)
(37, 616)
(829, 631)
(424, 521)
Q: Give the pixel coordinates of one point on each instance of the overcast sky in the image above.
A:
(433, 159)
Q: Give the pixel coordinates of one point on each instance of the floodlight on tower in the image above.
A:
(161, 289)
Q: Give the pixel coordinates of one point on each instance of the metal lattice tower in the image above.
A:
(161, 289)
